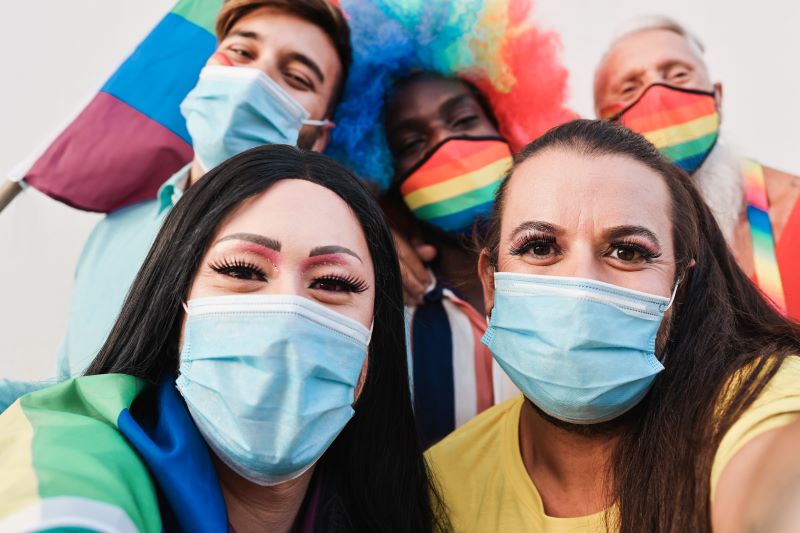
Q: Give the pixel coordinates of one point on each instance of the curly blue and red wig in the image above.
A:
(491, 43)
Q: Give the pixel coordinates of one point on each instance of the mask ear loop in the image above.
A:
(185, 307)
(672, 298)
(325, 122)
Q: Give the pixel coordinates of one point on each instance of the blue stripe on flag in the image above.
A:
(162, 70)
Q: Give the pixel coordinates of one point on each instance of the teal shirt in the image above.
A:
(110, 260)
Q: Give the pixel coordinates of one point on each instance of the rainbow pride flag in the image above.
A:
(457, 183)
(73, 457)
(131, 136)
(768, 275)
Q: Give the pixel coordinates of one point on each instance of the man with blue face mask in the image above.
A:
(275, 78)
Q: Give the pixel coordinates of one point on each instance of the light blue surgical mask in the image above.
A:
(233, 109)
(269, 380)
(581, 350)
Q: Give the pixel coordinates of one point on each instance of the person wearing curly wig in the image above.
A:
(439, 95)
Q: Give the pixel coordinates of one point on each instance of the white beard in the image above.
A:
(720, 181)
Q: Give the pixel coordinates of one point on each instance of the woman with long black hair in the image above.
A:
(656, 376)
(255, 379)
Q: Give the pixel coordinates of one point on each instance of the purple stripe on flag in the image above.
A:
(122, 156)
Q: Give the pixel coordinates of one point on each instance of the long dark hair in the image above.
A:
(721, 326)
(374, 475)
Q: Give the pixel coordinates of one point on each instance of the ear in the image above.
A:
(718, 94)
(323, 138)
(486, 273)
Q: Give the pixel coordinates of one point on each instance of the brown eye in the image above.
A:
(542, 249)
(626, 254)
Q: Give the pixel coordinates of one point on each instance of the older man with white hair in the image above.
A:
(654, 79)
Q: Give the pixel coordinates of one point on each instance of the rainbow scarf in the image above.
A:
(768, 275)
(73, 456)
(682, 123)
(455, 184)
(131, 136)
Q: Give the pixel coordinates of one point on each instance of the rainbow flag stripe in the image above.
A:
(682, 125)
(768, 275)
(131, 136)
(458, 183)
(74, 458)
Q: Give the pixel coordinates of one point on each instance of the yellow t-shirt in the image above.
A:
(487, 489)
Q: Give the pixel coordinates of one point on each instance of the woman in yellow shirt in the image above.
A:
(654, 373)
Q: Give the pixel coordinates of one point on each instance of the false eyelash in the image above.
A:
(523, 244)
(227, 265)
(351, 283)
(648, 254)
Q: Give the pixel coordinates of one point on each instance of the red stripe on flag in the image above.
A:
(96, 162)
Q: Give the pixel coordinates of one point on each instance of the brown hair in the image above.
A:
(322, 13)
(722, 328)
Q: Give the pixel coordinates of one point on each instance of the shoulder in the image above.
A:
(777, 405)
(474, 446)
(110, 228)
(120, 239)
(783, 192)
(66, 464)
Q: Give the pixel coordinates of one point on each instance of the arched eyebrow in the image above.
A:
(261, 240)
(333, 249)
(620, 232)
(537, 225)
(291, 56)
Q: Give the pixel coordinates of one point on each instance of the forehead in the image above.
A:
(301, 215)
(287, 33)
(424, 96)
(575, 190)
(648, 49)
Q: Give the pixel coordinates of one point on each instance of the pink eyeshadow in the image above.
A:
(327, 259)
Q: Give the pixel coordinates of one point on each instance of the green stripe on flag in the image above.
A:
(458, 203)
(78, 450)
(690, 148)
(200, 12)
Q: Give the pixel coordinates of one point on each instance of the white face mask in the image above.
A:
(233, 109)
(270, 380)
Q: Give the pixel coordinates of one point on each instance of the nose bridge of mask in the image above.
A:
(268, 85)
(635, 303)
(281, 304)
(682, 123)
(456, 182)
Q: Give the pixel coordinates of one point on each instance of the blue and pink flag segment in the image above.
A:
(131, 136)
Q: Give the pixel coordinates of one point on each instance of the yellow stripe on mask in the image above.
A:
(681, 133)
(459, 184)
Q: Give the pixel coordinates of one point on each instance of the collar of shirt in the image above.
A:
(172, 189)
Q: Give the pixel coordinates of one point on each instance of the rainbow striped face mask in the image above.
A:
(454, 185)
(682, 123)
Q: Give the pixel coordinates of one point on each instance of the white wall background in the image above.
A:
(56, 54)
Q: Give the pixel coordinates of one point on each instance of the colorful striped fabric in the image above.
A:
(451, 370)
(73, 457)
(768, 275)
(131, 136)
(683, 124)
(457, 183)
